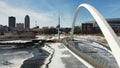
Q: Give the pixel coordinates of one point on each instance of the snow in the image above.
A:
(94, 44)
(80, 59)
(100, 46)
(40, 37)
(49, 37)
(48, 49)
(13, 58)
(16, 59)
(15, 41)
(102, 53)
(56, 61)
(17, 62)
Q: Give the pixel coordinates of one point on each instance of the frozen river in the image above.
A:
(14, 58)
(21, 58)
(62, 57)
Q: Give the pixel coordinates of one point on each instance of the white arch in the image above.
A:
(109, 34)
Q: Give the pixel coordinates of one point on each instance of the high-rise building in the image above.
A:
(12, 22)
(27, 22)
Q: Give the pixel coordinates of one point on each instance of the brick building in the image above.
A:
(91, 27)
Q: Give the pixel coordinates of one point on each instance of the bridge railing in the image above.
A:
(87, 58)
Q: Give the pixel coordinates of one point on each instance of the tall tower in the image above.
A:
(59, 27)
(27, 22)
(12, 22)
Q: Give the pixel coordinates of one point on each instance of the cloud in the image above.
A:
(42, 18)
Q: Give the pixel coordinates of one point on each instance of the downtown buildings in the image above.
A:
(12, 23)
(18, 30)
(88, 27)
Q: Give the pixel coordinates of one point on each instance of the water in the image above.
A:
(21, 58)
(13, 58)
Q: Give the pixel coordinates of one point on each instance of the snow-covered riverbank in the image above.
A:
(14, 58)
(22, 58)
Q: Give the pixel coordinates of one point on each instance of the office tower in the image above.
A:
(12, 22)
(27, 22)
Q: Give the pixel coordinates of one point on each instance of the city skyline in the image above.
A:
(46, 12)
(13, 24)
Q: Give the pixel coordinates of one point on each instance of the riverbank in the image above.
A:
(22, 58)
(14, 58)
(37, 60)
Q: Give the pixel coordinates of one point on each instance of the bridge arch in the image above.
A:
(107, 31)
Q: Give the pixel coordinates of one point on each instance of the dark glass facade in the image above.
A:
(12, 21)
(27, 22)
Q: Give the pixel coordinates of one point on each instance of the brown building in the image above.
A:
(87, 28)
(91, 27)
(20, 26)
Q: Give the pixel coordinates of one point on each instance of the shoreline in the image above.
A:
(41, 59)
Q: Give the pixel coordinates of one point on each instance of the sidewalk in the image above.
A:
(62, 58)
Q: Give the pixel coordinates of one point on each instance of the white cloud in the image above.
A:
(66, 20)
(43, 19)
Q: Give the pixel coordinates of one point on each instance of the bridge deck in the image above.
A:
(63, 58)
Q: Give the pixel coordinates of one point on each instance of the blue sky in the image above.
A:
(46, 12)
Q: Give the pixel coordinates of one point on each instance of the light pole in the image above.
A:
(59, 27)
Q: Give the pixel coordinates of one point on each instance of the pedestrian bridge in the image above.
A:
(107, 31)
